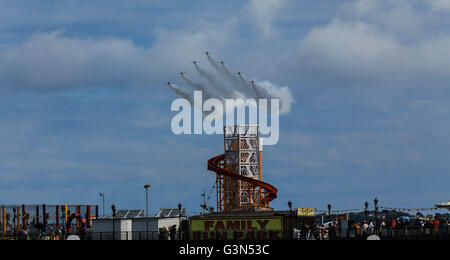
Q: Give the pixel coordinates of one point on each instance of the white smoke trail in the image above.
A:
(260, 91)
(188, 95)
(182, 92)
(228, 72)
(223, 84)
(212, 80)
(273, 91)
(213, 62)
(227, 75)
(207, 92)
(249, 86)
(255, 90)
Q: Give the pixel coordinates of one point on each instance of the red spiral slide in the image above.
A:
(268, 192)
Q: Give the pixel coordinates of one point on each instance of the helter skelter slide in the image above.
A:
(239, 182)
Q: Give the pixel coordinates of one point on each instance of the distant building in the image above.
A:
(445, 205)
(133, 225)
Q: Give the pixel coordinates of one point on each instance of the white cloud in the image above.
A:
(282, 93)
(48, 61)
(56, 61)
(264, 13)
(440, 5)
(399, 17)
(53, 60)
(379, 46)
(175, 49)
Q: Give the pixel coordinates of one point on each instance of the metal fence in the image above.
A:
(32, 236)
(29, 221)
(414, 233)
(132, 235)
(400, 233)
(354, 233)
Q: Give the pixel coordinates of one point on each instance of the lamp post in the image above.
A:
(102, 195)
(376, 211)
(113, 208)
(290, 219)
(366, 205)
(329, 212)
(147, 186)
(180, 208)
(63, 218)
(14, 220)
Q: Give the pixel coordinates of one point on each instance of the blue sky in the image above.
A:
(85, 107)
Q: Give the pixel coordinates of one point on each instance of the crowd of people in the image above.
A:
(389, 228)
(37, 233)
(166, 234)
(433, 225)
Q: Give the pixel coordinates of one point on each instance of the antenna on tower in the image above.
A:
(204, 206)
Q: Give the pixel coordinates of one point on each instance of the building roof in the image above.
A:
(245, 214)
(171, 213)
(126, 213)
(140, 213)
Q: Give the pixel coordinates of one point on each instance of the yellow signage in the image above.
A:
(306, 212)
(237, 229)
